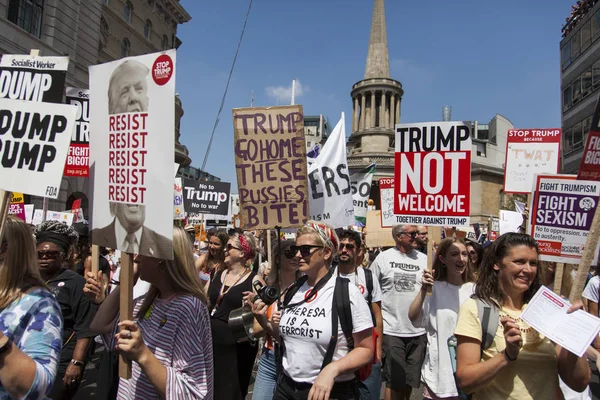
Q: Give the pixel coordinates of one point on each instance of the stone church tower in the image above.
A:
(377, 100)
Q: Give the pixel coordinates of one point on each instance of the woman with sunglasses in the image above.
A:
(169, 341)
(55, 245)
(306, 325)
(283, 274)
(30, 318)
(226, 293)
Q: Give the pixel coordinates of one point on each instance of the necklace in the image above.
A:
(223, 291)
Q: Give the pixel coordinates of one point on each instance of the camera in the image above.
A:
(268, 294)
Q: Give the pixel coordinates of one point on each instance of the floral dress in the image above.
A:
(34, 324)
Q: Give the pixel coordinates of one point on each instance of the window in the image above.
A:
(596, 25)
(27, 14)
(147, 29)
(103, 30)
(586, 82)
(577, 136)
(567, 97)
(596, 74)
(575, 45)
(165, 42)
(586, 36)
(567, 140)
(585, 126)
(125, 48)
(566, 55)
(577, 90)
(127, 11)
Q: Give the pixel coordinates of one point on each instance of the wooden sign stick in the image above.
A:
(95, 259)
(126, 305)
(586, 259)
(269, 249)
(4, 206)
(435, 235)
(559, 272)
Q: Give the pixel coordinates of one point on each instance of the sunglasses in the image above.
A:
(230, 246)
(47, 254)
(349, 246)
(305, 249)
(411, 234)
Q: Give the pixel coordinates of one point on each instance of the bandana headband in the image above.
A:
(326, 234)
(246, 248)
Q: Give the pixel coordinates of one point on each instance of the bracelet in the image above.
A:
(508, 358)
(77, 363)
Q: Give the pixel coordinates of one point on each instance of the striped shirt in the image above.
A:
(177, 331)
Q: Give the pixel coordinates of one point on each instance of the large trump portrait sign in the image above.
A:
(132, 106)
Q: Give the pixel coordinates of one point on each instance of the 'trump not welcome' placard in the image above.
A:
(432, 184)
(270, 158)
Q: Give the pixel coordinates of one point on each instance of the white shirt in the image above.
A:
(399, 276)
(360, 281)
(139, 289)
(121, 236)
(306, 330)
(591, 289)
(440, 315)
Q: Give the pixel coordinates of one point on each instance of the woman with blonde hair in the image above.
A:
(30, 318)
(452, 284)
(317, 364)
(226, 293)
(169, 342)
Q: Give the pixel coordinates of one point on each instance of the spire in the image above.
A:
(377, 59)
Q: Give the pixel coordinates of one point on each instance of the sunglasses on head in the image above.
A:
(305, 249)
(230, 246)
(48, 254)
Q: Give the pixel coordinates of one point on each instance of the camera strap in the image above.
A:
(311, 293)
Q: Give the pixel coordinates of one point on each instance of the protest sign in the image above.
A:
(17, 206)
(510, 221)
(589, 168)
(38, 217)
(530, 152)
(386, 194)
(64, 217)
(561, 216)
(33, 78)
(330, 192)
(29, 208)
(376, 235)
(34, 141)
(204, 197)
(79, 150)
(361, 190)
(433, 173)
(132, 110)
(270, 158)
(178, 208)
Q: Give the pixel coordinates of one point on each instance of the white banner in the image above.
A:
(34, 142)
(64, 217)
(510, 221)
(361, 190)
(132, 105)
(330, 197)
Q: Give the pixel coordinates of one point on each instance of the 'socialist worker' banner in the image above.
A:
(329, 179)
(132, 109)
(433, 173)
(79, 151)
(39, 79)
(202, 197)
(34, 141)
(562, 213)
(270, 158)
(530, 152)
(590, 161)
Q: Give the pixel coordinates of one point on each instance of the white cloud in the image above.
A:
(283, 94)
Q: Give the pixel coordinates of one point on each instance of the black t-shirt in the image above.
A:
(103, 266)
(77, 309)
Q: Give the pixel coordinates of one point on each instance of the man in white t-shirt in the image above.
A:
(399, 272)
(349, 252)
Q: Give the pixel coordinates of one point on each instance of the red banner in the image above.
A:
(589, 169)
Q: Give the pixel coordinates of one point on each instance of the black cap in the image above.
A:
(81, 228)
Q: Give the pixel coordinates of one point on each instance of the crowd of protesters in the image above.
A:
(578, 11)
(343, 321)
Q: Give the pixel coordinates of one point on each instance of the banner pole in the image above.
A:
(126, 305)
(559, 272)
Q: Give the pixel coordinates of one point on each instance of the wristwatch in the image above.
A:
(5, 346)
(77, 363)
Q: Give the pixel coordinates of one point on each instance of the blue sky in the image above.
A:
(480, 57)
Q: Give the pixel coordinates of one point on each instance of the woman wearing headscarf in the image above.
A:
(226, 293)
(30, 318)
(169, 342)
(55, 242)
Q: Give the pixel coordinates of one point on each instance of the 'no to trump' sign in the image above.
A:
(433, 173)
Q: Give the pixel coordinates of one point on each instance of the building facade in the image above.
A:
(580, 81)
(91, 32)
(316, 130)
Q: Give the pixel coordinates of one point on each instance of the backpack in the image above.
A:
(489, 315)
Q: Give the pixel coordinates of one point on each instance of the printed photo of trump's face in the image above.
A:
(128, 88)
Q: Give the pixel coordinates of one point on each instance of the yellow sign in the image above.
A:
(17, 198)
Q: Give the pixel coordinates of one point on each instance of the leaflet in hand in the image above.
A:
(547, 314)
